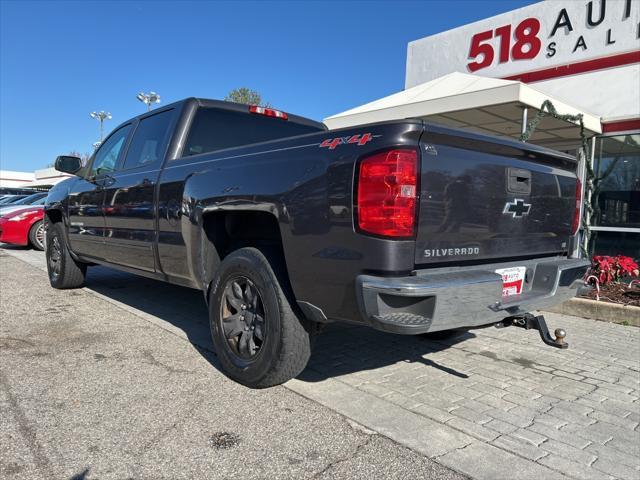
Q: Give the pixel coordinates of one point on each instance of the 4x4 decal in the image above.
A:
(360, 139)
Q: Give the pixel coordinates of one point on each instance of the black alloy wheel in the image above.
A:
(243, 318)
(64, 271)
(259, 337)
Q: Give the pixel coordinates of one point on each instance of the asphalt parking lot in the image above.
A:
(89, 390)
(117, 381)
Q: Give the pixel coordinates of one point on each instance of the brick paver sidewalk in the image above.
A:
(511, 398)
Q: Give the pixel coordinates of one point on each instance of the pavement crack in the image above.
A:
(163, 433)
(152, 360)
(27, 431)
(457, 449)
(351, 456)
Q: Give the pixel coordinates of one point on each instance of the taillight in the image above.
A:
(576, 212)
(387, 192)
(268, 112)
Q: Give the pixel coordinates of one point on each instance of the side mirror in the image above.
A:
(68, 164)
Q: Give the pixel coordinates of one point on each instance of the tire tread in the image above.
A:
(73, 273)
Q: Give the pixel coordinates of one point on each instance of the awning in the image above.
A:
(481, 104)
(44, 183)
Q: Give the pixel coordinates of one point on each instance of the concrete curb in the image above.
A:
(599, 310)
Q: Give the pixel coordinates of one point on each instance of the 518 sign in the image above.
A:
(525, 47)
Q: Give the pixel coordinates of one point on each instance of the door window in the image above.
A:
(617, 200)
(150, 140)
(106, 158)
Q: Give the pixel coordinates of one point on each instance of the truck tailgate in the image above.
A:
(484, 198)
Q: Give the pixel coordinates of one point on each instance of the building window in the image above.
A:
(616, 243)
(618, 196)
(616, 200)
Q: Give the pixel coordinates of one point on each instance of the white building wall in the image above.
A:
(612, 93)
(611, 89)
(49, 176)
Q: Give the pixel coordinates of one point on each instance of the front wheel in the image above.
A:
(36, 235)
(259, 338)
(64, 272)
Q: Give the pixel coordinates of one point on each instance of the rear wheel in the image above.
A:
(259, 338)
(36, 235)
(64, 272)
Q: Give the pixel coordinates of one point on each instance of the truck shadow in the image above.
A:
(339, 350)
(344, 349)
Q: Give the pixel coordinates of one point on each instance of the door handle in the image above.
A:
(518, 180)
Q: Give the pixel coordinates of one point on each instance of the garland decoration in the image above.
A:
(548, 109)
(593, 182)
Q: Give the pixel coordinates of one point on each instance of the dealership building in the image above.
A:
(493, 75)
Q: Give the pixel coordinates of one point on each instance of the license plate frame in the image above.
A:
(512, 280)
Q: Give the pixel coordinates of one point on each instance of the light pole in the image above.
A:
(101, 116)
(148, 99)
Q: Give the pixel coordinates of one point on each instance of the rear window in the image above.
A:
(215, 129)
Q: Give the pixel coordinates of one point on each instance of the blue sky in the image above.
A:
(61, 60)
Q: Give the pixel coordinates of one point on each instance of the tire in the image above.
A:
(64, 272)
(36, 235)
(247, 301)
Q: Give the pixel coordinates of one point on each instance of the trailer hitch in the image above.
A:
(536, 322)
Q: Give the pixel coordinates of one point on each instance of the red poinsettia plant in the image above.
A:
(611, 269)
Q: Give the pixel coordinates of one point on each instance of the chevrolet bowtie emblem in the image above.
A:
(518, 208)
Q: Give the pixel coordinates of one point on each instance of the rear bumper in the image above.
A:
(443, 299)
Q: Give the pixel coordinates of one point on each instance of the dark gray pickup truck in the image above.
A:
(405, 226)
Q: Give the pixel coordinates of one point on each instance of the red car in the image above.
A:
(23, 227)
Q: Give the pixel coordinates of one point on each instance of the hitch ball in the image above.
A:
(560, 334)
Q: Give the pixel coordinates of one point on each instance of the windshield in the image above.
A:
(11, 199)
(31, 199)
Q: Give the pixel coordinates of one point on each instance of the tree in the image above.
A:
(84, 157)
(247, 96)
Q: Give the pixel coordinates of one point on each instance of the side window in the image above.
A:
(107, 155)
(150, 140)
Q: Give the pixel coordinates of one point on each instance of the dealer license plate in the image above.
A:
(512, 280)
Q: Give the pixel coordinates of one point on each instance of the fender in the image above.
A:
(202, 256)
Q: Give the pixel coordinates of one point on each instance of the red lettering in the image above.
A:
(527, 45)
(478, 48)
(505, 42)
(331, 143)
(526, 33)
